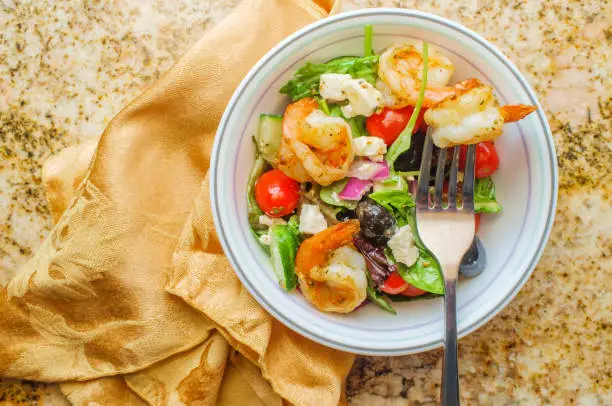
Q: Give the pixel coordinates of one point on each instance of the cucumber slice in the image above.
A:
(393, 182)
(283, 248)
(269, 136)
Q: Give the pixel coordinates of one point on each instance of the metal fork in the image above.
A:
(447, 231)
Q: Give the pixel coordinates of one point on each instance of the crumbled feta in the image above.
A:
(371, 147)
(312, 220)
(402, 246)
(270, 221)
(363, 98)
(265, 239)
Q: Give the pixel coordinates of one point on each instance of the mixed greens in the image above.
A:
(330, 194)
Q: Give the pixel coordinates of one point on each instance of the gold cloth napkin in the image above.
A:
(130, 300)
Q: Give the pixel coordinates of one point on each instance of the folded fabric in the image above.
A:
(130, 300)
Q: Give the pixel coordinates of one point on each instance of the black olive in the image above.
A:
(377, 224)
(410, 160)
(344, 215)
(474, 260)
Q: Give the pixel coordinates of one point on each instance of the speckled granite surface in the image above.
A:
(67, 67)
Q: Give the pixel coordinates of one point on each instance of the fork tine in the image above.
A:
(468, 179)
(422, 197)
(452, 182)
(439, 184)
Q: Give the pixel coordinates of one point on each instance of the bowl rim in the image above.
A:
(270, 308)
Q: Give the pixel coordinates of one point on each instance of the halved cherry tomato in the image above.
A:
(388, 124)
(394, 284)
(477, 222)
(487, 160)
(411, 291)
(276, 193)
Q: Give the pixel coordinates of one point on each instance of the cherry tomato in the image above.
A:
(411, 291)
(394, 284)
(276, 193)
(477, 222)
(388, 124)
(487, 160)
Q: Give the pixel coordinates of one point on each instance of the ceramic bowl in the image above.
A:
(514, 239)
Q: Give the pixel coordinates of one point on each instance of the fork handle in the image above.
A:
(450, 370)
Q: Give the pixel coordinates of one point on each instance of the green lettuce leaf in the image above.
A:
(484, 197)
(306, 79)
(397, 202)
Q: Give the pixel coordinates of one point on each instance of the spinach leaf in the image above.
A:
(484, 197)
(425, 274)
(329, 194)
(306, 79)
(397, 202)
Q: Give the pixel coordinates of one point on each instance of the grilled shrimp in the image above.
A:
(332, 273)
(400, 68)
(471, 115)
(314, 146)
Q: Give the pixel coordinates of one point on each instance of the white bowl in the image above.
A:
(526, 185)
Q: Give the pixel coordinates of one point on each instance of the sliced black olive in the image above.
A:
(346, 214)
(377, 224)
(474, 260)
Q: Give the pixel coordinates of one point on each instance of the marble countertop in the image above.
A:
(67, 67)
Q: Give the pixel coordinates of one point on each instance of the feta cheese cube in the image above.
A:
(371, 147)
(312, 220)
(402, 246)
(363, 98)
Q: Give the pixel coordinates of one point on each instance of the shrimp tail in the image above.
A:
(516, 112)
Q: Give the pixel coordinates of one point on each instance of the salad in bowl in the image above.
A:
(264, 251)
(330, 196)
